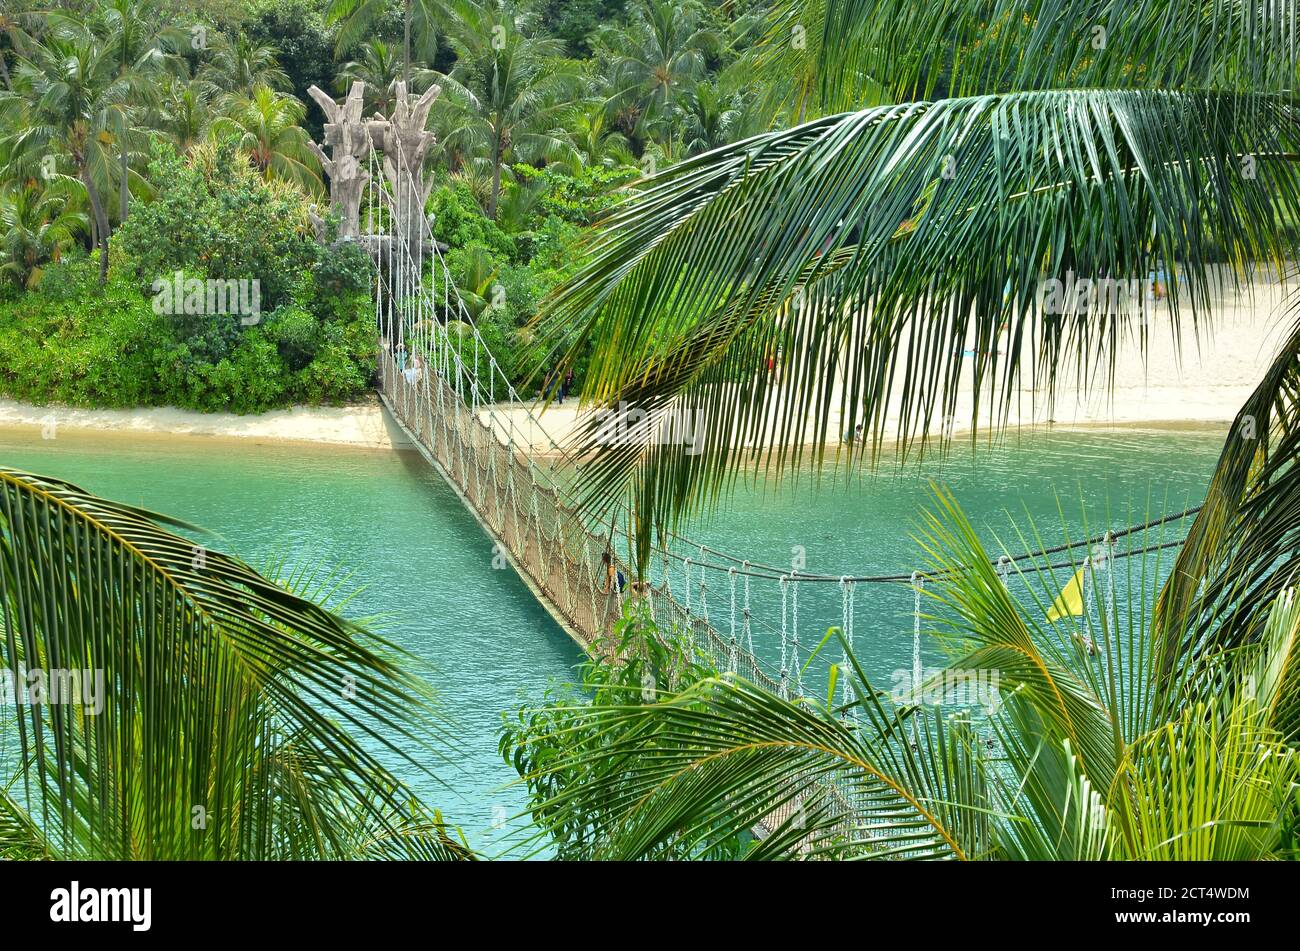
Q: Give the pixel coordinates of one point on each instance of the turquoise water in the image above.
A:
(426, 568)
(1027, 492)
(420, 561)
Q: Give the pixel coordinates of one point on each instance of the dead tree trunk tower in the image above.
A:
(405, 142)
(349, 143)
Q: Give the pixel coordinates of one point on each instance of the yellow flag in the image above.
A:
(1069, 603)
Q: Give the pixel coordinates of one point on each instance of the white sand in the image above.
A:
(362, 425)
(1205, 381)
(1208, 384)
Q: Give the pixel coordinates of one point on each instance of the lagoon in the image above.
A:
(423, 570)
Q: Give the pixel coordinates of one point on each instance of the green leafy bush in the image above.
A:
(581, 197)
(311, 339)
(458, 222)
(296, 335)
(92, 349)
(215, 217)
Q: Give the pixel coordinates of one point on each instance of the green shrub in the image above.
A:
(76, 343)
(342, 267)
(459, 222)
(333, 377)
(296, 335)
(215, 217)
(536, 737)
(91, 349)
(72, 277)
(580, 197)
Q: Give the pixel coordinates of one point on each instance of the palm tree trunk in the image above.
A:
(496, 177)
(101, 221)
(124, 193)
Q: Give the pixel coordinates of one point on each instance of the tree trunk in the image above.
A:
(101, 222)
(124, 192)
(496, 177)
(4, 71)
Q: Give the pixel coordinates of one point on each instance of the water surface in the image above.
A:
(425, 568)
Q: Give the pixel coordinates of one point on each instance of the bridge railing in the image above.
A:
(545, 540)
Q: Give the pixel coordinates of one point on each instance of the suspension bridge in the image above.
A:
(442, 385)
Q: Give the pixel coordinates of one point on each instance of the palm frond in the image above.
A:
(1240, 554)
(866, 257)
(220, 716)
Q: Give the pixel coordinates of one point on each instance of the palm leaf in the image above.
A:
(1240, 554)
(854, 251)
(232, 711)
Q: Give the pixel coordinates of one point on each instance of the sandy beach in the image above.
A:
(1206, 382)
(363, 425)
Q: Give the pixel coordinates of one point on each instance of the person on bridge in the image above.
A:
(612, 576)
(417, 368)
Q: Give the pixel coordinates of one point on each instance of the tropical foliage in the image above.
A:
(214, 713)
(1069, 755)
(541, 125)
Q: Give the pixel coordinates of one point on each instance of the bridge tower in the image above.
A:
(349, 140)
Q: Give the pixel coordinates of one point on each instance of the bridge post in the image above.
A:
(349, 147)
(405, 143)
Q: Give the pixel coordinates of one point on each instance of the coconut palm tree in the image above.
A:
(132, 31)
(267, 126)
(1082, 757)
(178, 705)
(794, 77)
(595, 139)
(379, 67)
(505, 98)
(357, 18)
(9, 29)
(184, 111)
(657, 58)
(36, 226)
(67, 94)
(709, 116)
(240, 65)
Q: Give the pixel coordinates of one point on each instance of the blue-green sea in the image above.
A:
(423, 570)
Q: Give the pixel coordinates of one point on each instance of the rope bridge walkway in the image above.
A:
(441, 384)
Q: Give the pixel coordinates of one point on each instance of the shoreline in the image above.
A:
(367, 426)
(1202, 385)
(361, 425)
